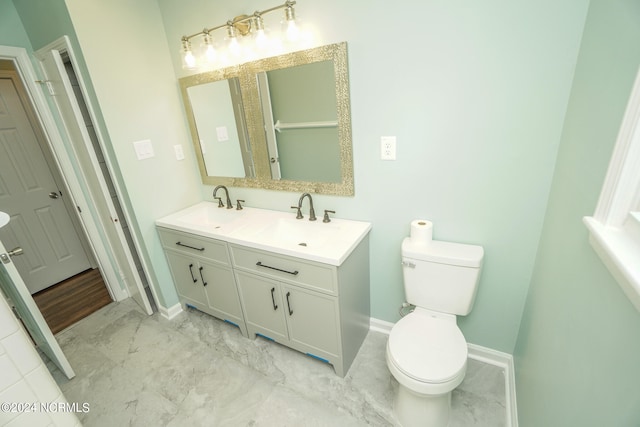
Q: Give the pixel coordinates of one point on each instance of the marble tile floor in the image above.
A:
(195, 370)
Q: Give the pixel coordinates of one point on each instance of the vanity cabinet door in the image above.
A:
(263, 306)
(312, 320)
(185, 275)
(220, 288)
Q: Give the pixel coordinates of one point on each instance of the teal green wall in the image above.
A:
(577, 352)
(475, 93)
(128, 59)
(12, 32)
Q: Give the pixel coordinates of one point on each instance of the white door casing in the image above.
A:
(40, 224)
(65, 159)
(59, 87)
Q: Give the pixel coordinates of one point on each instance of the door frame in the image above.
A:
(92, 226)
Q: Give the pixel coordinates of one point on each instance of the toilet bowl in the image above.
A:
(426, 351)
(427, 355)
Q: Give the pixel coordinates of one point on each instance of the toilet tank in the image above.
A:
(441, 276)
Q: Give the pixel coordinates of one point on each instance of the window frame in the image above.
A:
(614, 228)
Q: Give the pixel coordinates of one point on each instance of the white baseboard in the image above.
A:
(171, 312)
(504, 361)
(481, 354)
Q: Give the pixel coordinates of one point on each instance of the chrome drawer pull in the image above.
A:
(260, 264)
(190, 247)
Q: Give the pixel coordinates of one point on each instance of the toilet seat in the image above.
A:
(428, 349)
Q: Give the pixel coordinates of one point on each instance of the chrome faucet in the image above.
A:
(219, 199)
(312, 212)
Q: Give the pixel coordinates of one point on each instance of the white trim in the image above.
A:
(620, 253)
(614, 234)
(64, 44)
(622, 182)
(484, 355)
(54, 139)
(378, 325)
(171, 312)
(504, 361)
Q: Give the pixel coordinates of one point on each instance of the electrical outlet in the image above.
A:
(388, 147)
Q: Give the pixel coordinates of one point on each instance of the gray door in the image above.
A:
(40, 223)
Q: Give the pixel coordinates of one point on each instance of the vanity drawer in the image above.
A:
(194, 245)
(306, 273)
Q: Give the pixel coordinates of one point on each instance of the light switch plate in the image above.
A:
(144, 149)
(222, 133)
(179, 152)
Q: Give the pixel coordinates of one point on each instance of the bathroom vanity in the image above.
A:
(299, 283)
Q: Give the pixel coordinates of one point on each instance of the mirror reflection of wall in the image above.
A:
(300, 115)
(219, 116)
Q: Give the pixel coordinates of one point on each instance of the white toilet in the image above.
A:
(426, 351)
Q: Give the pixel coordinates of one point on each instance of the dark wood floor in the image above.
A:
(65, 303)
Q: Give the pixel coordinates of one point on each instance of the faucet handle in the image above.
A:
(220, 204)
(326, 215)
(299, 214)
(238, 205)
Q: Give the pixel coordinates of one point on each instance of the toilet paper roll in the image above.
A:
(421, 232)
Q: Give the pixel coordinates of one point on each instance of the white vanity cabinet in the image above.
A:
(203, 275)
(299, 283)
(319, 309)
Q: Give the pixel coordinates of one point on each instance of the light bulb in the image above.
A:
(188, 59)
(292, 30)
(232, 39)
(260, 37)
(210, 53)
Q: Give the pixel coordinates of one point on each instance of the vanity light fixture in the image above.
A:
(236, 28)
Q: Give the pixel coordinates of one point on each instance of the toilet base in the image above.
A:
(419, 410)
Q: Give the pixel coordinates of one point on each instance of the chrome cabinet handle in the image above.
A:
(53, 195)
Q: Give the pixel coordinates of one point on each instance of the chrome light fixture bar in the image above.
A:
(240, 25)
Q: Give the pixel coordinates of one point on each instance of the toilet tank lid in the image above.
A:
(458, 254)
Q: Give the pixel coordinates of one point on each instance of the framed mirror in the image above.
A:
(281, 123)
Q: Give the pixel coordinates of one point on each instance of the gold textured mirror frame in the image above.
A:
(246, 73)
